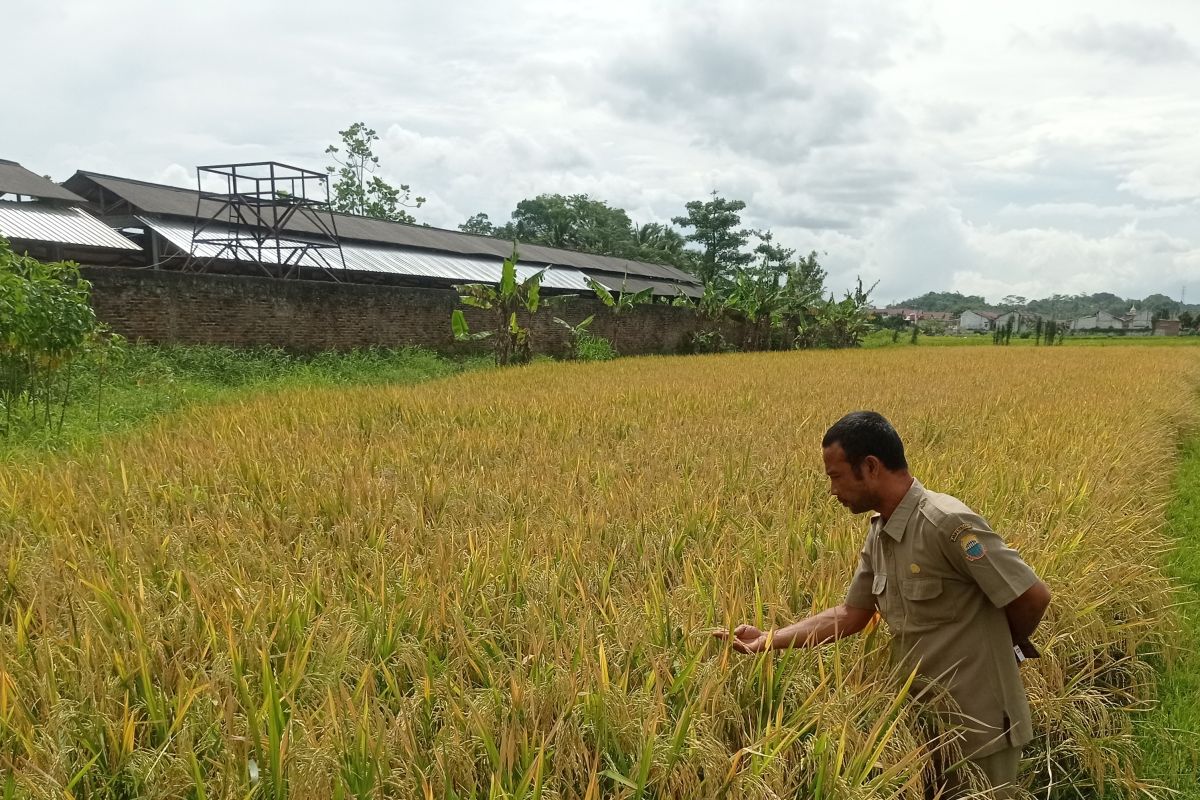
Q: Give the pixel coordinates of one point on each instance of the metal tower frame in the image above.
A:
(254, 219)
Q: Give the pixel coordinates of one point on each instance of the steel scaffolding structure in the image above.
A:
(270, 214)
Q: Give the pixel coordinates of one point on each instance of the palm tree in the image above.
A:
(654, 241)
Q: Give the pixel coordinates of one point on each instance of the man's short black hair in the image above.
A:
(867, 433)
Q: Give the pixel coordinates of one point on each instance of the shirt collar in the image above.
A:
(899, 520)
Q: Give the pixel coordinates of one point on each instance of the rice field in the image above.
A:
(502, 584)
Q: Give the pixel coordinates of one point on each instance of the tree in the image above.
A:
(775, 261)
(715, 229)
(806, 277)
(659, 244)
(575, 222)
(1186, 320)
(656, 236)
(1162, 306)
(358, 190)
(579, 222)
(1003, 334)
(478, 224)
(46, 325)
(954, 302)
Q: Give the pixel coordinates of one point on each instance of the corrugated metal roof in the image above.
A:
(381, 258)
(40, 223)
(15, 179)
(157, 199)
(624, 284)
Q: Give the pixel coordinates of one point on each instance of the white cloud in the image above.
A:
(1162, 181)
(1125, 211)
(935, 249)
(1129, 41)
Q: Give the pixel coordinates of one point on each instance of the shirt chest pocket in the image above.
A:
(926, 603)
(879, 589)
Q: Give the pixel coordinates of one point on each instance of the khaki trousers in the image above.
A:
(1001, 769)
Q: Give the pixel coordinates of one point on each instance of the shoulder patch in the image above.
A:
(972, 547)
(966, 526)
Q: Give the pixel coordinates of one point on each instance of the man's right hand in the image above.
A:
(745, 639)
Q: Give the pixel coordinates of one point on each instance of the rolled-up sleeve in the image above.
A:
(979, 553)
(859, 595)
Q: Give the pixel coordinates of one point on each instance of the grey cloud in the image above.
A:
(863, 185)
(916, 249)
(770, 82)
(1130, 41)
(1055, 173)
(950, 116)
(798, 219)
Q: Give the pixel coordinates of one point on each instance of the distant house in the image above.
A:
(913, 314)
(976, 321)
(1135, 320)
(1100, 321)
(1021, 321)
(1166, 327)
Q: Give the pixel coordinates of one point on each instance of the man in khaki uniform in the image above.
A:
(960, 604)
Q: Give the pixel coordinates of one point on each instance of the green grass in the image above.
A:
(148, 381)
(1171, 733)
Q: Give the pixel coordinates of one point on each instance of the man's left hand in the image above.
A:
(744, 639)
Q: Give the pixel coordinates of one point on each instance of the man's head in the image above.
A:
(864, 459)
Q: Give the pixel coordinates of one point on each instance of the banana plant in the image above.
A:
(511, 339)
(760, 301)
(622, 302)
(837, 323)
(575, 332)
(681, 300)
(625, 301)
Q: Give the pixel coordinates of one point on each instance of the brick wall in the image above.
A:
(305, 316)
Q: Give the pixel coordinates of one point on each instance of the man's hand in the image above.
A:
(745, 639)
(830, 624)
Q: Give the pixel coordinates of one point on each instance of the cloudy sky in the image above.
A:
(990, 148)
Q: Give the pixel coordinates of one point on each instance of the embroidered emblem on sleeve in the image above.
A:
(966, 526)
(973, 549)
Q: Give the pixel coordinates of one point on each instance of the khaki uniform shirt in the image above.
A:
(941, 577)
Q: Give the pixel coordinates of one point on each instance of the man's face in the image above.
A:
(855, 492)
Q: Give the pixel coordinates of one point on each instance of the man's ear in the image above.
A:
(873, 466)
